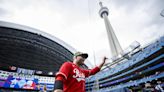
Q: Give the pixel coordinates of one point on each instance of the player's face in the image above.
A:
(80, 59)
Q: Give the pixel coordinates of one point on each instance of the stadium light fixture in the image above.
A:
(50, 73)
(39, 72)
(124, 54)
(135, 45)
(131, 48)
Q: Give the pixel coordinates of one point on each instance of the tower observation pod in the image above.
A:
(114, 44)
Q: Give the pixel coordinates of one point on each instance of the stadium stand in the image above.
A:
(145, 65)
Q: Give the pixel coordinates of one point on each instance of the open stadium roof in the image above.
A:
(29, 48)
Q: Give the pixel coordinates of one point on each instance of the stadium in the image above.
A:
(29, 58)
(22, 48)
(144, 68)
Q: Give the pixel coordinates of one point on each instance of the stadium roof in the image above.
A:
(29, 48)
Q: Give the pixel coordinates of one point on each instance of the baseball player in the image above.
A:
(71, 78)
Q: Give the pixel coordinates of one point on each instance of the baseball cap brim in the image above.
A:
(84, 55)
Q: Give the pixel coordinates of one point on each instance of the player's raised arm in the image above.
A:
(96, 69)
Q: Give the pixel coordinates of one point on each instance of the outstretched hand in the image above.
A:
(103, 62)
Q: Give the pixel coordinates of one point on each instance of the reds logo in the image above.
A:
(78, 75)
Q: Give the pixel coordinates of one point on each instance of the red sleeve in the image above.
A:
(65, 70)
(60, 77)
(91, 72)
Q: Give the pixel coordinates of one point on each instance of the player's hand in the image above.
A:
(103, 62)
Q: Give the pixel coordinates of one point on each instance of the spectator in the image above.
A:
(148, 88)
(158, 87)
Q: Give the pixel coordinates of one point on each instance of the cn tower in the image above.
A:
(114, 44)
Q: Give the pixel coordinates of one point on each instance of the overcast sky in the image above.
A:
(78, 23)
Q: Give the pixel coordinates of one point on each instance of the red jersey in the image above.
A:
(74, 77)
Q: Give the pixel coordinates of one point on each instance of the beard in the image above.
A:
(80, 62)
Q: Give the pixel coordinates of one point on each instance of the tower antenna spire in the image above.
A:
(100, 3)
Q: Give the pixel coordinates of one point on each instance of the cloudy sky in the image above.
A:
(78, 23)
